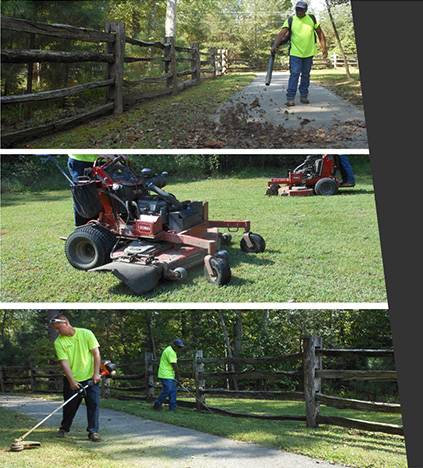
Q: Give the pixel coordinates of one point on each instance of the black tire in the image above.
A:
(259, 244)
(221, 271)
(89, 247)
(226, 238)
(326, 187)
(273, 190)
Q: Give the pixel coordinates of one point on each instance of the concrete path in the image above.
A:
(326, 111)
(153, 444)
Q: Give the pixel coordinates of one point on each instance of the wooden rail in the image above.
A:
(308, 372)
(118, 92)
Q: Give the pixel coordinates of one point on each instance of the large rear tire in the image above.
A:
(89, 247)
(326, 187)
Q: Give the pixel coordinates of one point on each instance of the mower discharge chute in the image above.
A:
(142, 234)
(316, 175)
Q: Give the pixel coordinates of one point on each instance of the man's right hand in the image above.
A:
(273, 50)
(75, 385)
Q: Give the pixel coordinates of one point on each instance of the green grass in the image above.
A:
(150, 124)
(351, 447)
(319, 249)
(76, 452)
(336, 80)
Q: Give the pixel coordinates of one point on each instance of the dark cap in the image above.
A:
(301, 4)
(178, 342)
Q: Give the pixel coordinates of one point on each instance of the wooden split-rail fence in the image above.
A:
(138, 381)
(118, 91)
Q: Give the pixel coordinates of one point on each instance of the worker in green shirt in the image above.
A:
(77, 163)
(78, 352)
(168, 369)
(303, 32)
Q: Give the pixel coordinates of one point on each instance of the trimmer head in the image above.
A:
(18, 445)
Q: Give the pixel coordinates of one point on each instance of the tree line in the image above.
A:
(126, 335)
(26, 173)
(246, 28)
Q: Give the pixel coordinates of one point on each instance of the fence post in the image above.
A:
(312, 384)
(213, 60)
(115, 69)
(149, 376)
(196, 63)
(170, 52)
(199, 380)
(334, 60)
(2, 386)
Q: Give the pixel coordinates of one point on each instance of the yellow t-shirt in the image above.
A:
(84, 157)
(303, 42)
(166, 370)
(76, 349)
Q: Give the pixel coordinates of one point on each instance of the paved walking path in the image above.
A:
(153, 444)
(326, 111)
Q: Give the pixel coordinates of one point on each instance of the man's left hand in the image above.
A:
(325, 55)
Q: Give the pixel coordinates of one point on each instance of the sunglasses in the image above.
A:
(54, 320)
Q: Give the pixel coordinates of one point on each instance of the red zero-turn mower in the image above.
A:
(142, 234)
(316, 175)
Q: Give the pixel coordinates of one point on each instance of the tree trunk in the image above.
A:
(228, 346)
(148, 319)
(347, 68)
(170, 24)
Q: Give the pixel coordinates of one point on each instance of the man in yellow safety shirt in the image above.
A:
(78, 352)
(168, 369)
(303, 47)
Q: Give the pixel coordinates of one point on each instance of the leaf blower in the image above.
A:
(107, 369)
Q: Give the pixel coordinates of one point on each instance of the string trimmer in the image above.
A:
(199, 401)
(107, 368)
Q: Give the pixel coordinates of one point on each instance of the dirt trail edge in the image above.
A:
(146, 443)
(326, 112)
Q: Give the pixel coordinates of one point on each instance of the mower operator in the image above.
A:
(78, 352)
(168, 368)
(302, 49)
(348, 179)
(77, 163)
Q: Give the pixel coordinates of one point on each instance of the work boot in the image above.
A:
(347, 184)
(290, 102)
(61, 433)
(157, 407)
(304, 100)
(94, 436)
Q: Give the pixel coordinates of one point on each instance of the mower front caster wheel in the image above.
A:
(181, 274)
(89, 247)
(221, 271)
(258, 244)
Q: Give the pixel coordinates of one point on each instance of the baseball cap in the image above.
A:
(178, 342)
(301, 4)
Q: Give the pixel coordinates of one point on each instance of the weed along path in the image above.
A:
(146, 443)
(327, 114)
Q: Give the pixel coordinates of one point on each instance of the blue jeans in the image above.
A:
(346, 170)
(299, 67)
(76, 170)
(92, 401)
(169, 390)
